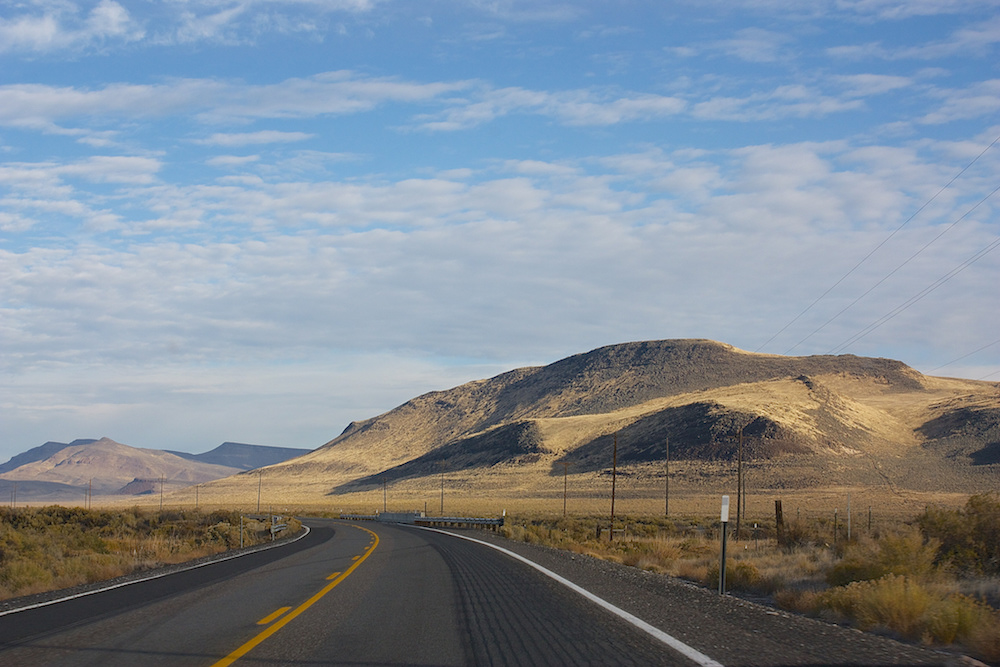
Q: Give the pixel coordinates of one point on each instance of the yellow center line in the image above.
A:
(333, 576)
(264, 634)
(270, 617)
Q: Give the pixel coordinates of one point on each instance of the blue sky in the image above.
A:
(259, 220)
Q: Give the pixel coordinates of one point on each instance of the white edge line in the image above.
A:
(676, 644)
(150, 577)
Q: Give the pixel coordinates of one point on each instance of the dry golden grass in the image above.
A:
(50, 548)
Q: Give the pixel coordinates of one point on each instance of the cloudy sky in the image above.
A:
(258, 220)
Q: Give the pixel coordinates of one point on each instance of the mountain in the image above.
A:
(105, 466)
(244, 457)
(40, 453)
(806, 421)
(59, 471)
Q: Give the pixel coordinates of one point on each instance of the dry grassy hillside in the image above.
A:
(808, 423)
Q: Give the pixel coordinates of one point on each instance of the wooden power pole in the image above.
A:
(666, 483)
(565, 484)
(614, 475)
(739, 483)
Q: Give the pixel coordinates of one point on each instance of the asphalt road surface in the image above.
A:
(374, 594)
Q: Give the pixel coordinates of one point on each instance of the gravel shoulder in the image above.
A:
(731, 630)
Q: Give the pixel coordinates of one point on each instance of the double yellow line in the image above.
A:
(336, 577)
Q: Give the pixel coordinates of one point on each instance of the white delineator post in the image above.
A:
(722, 559)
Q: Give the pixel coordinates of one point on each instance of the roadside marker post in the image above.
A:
(722, 559)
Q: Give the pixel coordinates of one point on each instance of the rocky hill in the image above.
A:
(805, 420)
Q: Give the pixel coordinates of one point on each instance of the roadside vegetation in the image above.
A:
(50, 548)
(935, 579)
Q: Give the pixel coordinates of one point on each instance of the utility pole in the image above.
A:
(666, 483)
(614, 475)
(565, 483)
(739, 482)
(260, 482)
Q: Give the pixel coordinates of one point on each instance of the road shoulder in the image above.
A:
(731, 630)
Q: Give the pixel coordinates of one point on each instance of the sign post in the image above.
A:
(722, 561)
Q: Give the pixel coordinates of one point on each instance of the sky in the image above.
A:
(260, 220)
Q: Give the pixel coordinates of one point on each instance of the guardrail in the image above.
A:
(419, 519)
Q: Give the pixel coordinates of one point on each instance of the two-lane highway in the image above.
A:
(351, 595)
(375, 594)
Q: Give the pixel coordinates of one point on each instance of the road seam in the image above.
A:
(674, 643)
(154, 576)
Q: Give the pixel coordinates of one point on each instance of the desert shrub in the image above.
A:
(23, 574)
(969, 537)
(984, 640)
(913, 610)
(797, 534)
(902, 553)
(741, 575)
(893, 602)
(954, 618)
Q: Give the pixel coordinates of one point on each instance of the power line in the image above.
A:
(955, 361)
(891, 273)
(876, 248)
(918, 296)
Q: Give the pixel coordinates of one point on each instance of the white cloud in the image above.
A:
(865, 85)
(61, 27)
(573, 107)
(755, 45)
(73, 26)
(29, 33)
(980, 99)
(250, 138)
(973, 41)
(376, 264)
(13, 222)
(227, 161)
(788, 101)
(37, 105)
(114, 169)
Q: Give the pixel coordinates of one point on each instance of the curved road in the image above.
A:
(375, 594)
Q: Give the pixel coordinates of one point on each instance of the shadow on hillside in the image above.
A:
(516, 443)
(697, 431)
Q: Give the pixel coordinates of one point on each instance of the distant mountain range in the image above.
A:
(244, 457)
(59, 471)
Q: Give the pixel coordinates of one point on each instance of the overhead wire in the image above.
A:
(917, 297)
(964, 356)
(891, 273)
(876, 248)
